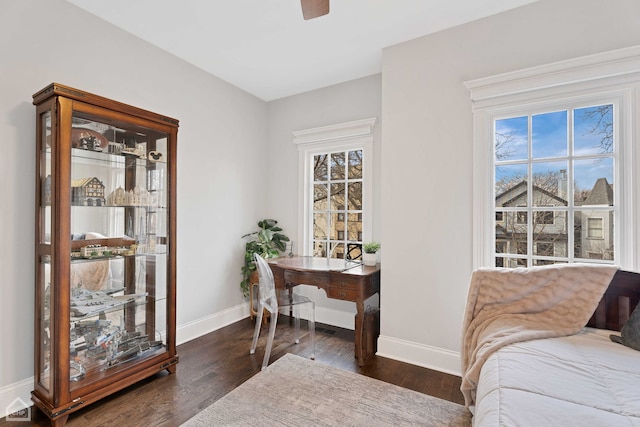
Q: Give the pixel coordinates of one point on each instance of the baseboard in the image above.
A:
(419, 354)
(15, 397)
(205, 325)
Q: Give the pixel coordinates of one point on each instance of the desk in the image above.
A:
(340, 279)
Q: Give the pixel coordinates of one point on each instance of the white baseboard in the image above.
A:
(419, 354)
(15, 397)
(18, 395)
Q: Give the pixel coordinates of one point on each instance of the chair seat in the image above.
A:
(292, 299)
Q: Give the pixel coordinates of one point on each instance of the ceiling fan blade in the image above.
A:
(314, 8)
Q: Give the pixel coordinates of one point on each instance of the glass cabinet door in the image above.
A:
(119, 243)
(43, 244)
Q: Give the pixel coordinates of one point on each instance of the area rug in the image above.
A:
(294, 391)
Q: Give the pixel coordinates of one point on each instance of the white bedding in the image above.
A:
(579, 380)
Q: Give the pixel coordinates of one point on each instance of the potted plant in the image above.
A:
(369, 255)
(268, 241)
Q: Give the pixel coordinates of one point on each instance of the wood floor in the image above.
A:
(213, 365)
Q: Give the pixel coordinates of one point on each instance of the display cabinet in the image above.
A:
(105, 297)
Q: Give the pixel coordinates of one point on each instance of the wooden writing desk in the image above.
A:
(340, 279)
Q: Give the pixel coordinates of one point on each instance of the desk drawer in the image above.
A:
(343, 281)
(304, 278)
(341, 293)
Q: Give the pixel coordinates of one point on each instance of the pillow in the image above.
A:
(630, 331)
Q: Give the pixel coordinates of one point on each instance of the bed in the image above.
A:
(554, 370)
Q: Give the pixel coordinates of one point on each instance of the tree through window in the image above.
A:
(337, 204)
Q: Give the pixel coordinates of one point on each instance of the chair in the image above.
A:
(268, 300)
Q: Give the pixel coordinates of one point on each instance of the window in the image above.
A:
(522, 217)
(535, 157)
(544, 249)
(594, 228)
(553, 143)
(544, 217)
(336, 190)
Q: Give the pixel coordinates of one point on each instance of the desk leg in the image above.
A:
(359, 333)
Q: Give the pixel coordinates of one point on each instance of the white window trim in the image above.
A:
(613, 74)
(357, 134)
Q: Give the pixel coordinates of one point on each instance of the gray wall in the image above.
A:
(220, 142)
(427, 156)
(354, 100)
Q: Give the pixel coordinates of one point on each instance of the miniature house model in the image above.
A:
(87, 192)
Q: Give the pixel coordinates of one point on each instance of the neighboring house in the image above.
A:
(549, 227)
(597, 225)
(592, 228)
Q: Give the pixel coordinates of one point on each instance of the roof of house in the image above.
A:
(521, 188)
(83, 181)
(601, 194)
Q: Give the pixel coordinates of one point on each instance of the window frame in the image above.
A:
(590, 228)
(355, 135)
(610, 77)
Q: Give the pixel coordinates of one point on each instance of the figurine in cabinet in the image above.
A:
(87, 192)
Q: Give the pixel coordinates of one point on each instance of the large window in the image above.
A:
(335, 189)
(554, 169)
(561, 161)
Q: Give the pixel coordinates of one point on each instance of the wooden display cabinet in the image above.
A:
(105, 297)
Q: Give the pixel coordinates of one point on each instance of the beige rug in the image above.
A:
(294, 391)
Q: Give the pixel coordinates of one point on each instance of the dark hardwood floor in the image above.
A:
(213, 365)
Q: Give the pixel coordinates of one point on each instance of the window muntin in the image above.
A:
(338, 203)
(536, 157)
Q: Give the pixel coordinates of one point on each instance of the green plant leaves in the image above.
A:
(268, 242)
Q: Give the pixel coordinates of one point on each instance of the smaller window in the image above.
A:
(546, 217)
(545, 249)
(594, 228)
(499, 216)
(522, 217)
(521, 248)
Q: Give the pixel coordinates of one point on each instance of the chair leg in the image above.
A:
(312, 329)
(296, 313)
(272, 332)
(256, 332)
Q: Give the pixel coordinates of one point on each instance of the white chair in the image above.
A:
(268, 300)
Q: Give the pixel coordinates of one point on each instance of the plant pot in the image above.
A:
(369, 259)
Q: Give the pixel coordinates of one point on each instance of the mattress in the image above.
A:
(580, 380)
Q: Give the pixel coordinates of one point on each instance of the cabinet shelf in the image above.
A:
(120, 160)
(105, 253)
(88, 305)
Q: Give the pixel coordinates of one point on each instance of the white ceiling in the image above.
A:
(266, 48)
